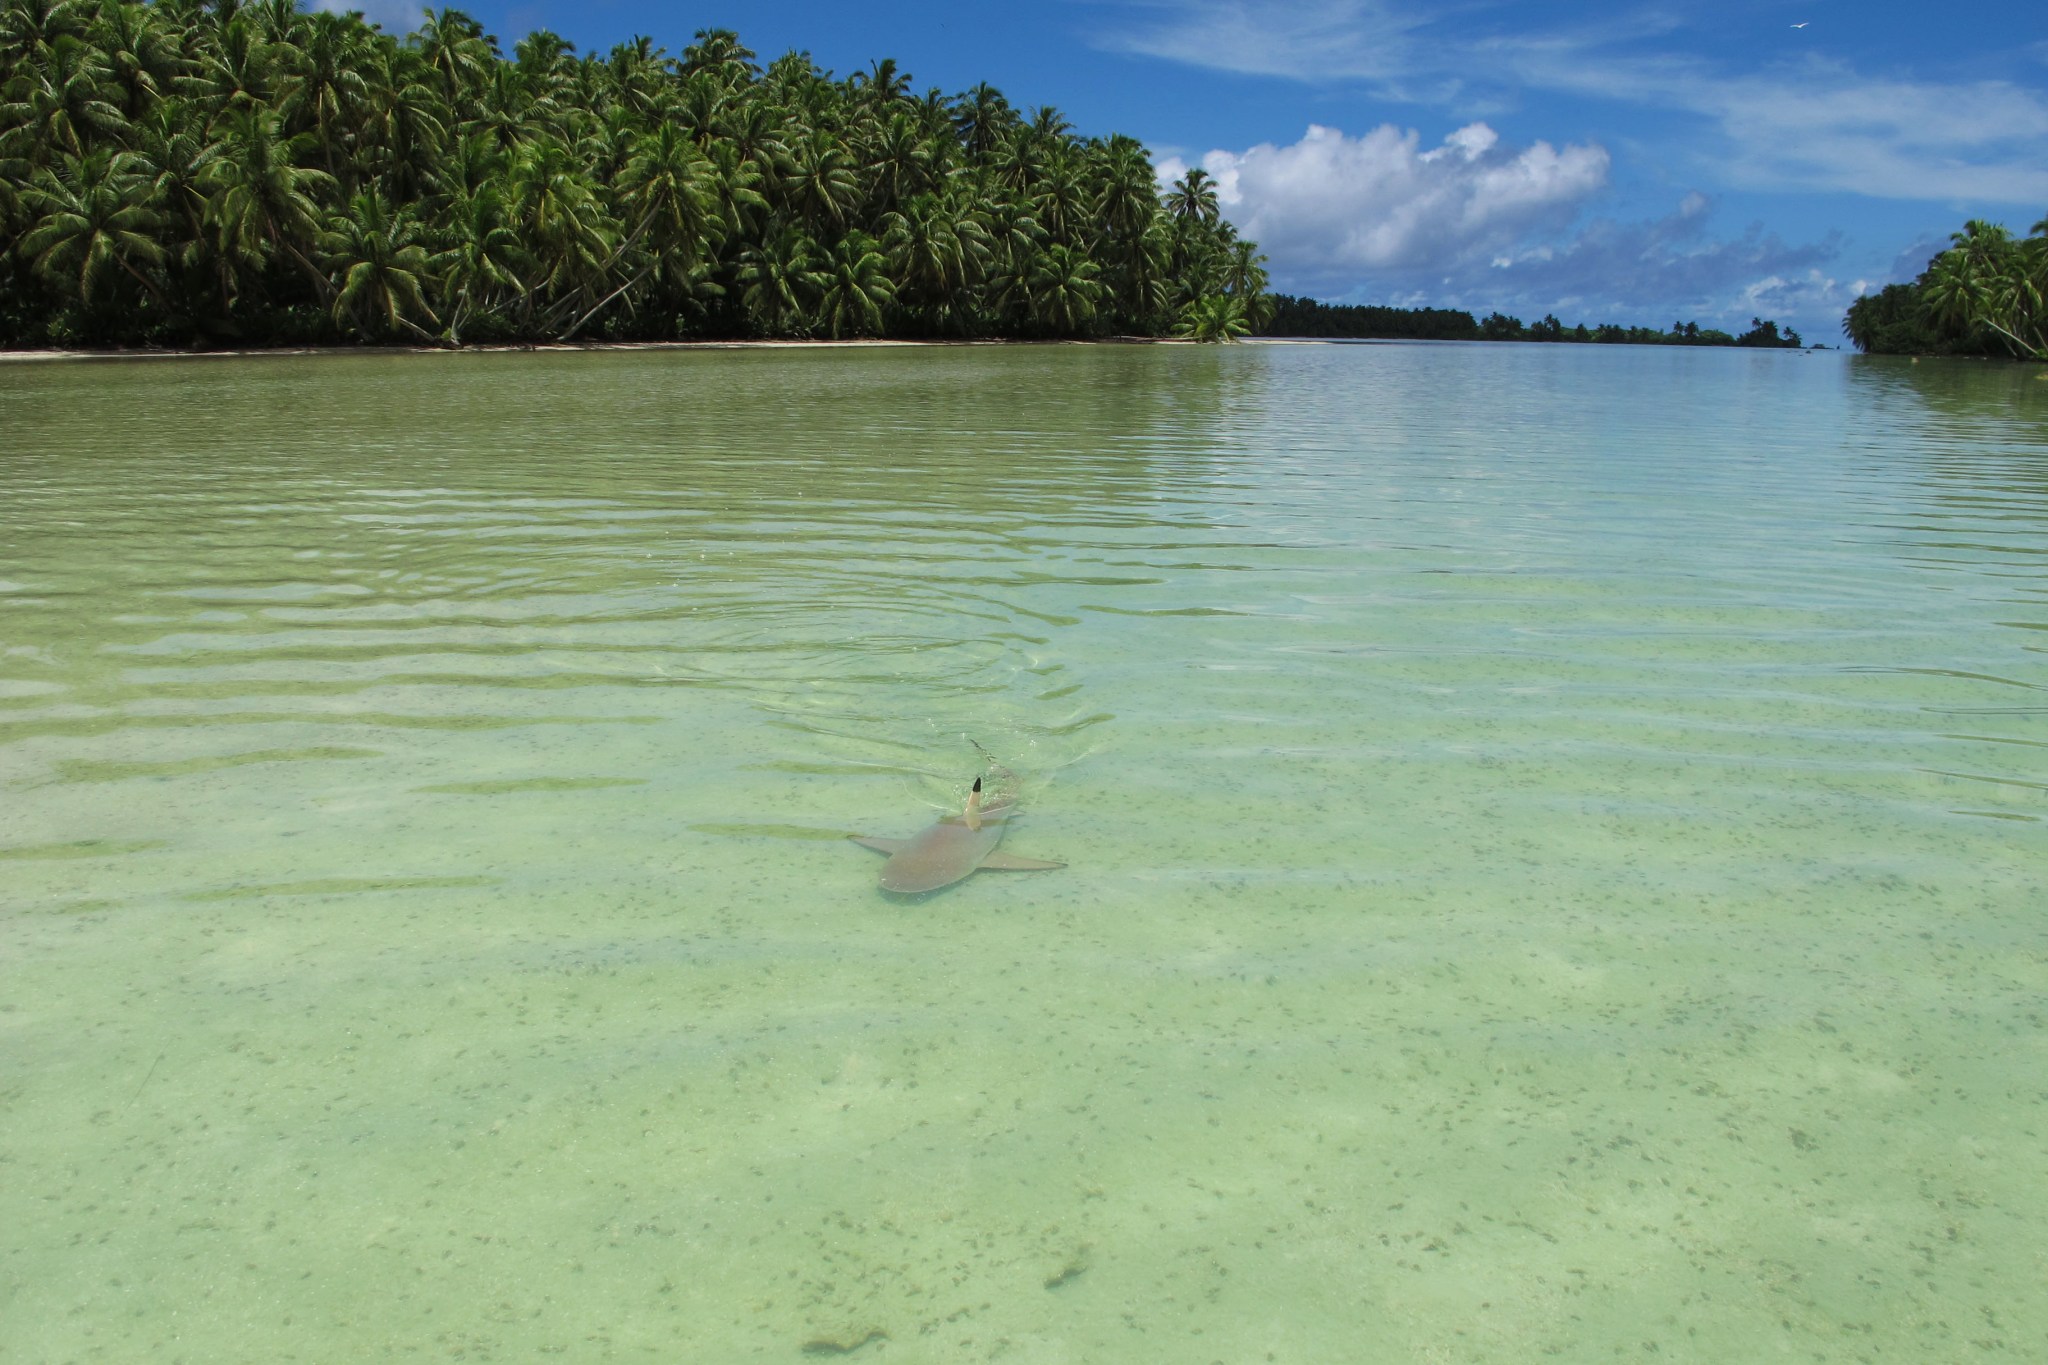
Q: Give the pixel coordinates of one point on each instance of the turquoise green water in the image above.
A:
(1555, 840)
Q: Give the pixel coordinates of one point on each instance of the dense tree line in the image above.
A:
(1298, 317)
(1986, 295)
(1763, 333)
(206, 172)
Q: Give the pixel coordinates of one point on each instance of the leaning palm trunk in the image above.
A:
(322, 286)
(606, 301)
(2017, 313)
(2036, 349)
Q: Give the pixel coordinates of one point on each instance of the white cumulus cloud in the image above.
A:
(1781, 121)
(1334, 205)
(1476, 223)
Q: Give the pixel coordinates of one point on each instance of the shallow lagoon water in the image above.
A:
(1555, 833)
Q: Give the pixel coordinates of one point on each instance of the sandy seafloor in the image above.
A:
(1554, 839)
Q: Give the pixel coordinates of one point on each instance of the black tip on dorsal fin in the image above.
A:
(977, 784)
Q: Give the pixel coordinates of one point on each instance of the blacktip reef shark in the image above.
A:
(953, 849)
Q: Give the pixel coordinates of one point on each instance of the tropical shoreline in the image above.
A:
(1981, 297)
(46, 355)
(224, 175)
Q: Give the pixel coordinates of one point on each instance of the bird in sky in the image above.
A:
(1802, 25)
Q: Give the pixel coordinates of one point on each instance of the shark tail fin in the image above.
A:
(990, 757)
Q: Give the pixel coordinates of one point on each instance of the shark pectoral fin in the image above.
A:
(1006, 862)
(878, 845)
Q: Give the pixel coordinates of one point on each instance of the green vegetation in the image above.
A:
(212, 172)
(1986, 295)
(1762, 334)
(1294, 317)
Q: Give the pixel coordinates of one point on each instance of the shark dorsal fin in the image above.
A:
(972, 815)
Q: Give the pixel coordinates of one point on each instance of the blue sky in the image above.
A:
(1622, 162)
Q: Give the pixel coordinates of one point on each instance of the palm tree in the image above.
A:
(458, 51)
(1140, 282)
(57, 103)
(382, 263)
(1988, 286)
(881, 84)
(1244, 279)
(1061, 199)
(141, 55)
(327, 91)
(982, 118)
(899, 159)
(1193, 198)
(509, 113)
(93, 217)
(1064, 290)
(1954, 291)
(719, 51)
(854, 288)
(1018, 162)
(1014, 238)
(29, 29)
(262, 203)
(542, 61)
(819, 183)
(640, 76)
(701, 104)
(929, 257)
(476, 160)
(780, 277)
(755, 131)
(239, 68)
(477, 268)
(2017, 297)
(279, 21)
(668, 189)
(1983, 245)
(404, 127)
(1128, 198)
(794, 81)
(564, 229)
(1219, 317)
(1049, 126)
(174, 155)
(736, 185)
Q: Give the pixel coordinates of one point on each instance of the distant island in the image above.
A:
(214, 173)
(1298, 317)
(1987, 295)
